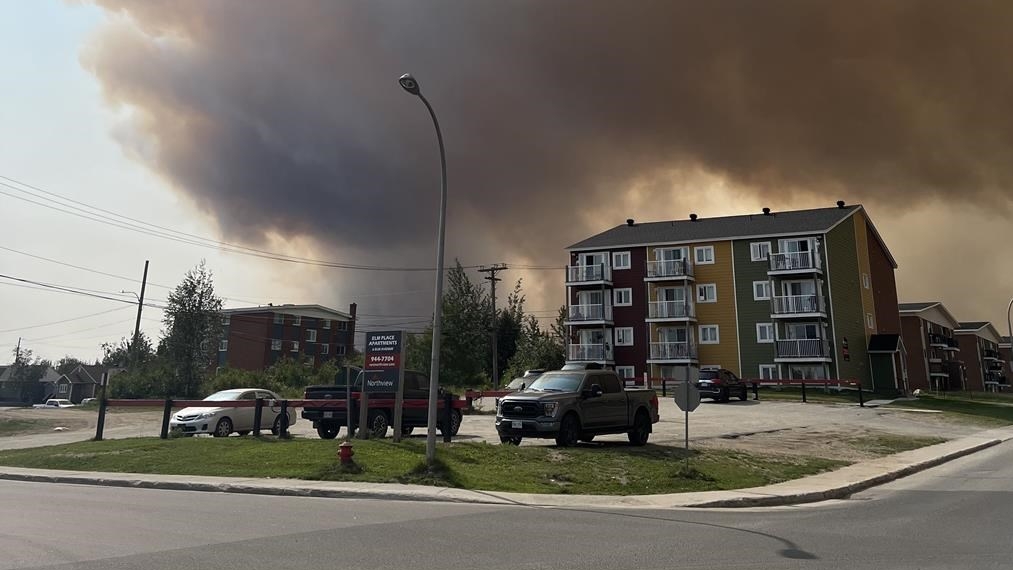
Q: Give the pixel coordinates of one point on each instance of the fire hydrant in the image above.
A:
(345, 453)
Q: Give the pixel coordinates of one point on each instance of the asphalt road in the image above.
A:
(954, 516)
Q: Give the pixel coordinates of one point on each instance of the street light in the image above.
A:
(409, 84)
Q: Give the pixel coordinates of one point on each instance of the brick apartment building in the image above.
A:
(933, 352)
(254, 338)
(796, 294)
(979, 349)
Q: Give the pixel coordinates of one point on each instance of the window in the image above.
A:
(707, 293)
(342, 325)
(279, 319)
(759, 251)
(764, 332)
(226, 319)
(311, 335)
(802, 331)
(870, 321)
(621, 260)
(63, 388)
(704, 254)
(339, 350)
(866, 282)
(768, 372)
(761, 290)
(275, 344)
(803, 372)
(326, 323)
(324, 349)
(297, 320)
(622, 297)
(626, 372)
(709, 334)
(295, 346)
(624, 336)
(223, 345)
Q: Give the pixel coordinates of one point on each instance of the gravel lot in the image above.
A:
(765, 426)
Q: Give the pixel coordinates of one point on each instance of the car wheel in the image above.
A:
(407, 430)
(510, 440)
(378, 423)
(223, 428)
(641, 429)
(569, 431)
(328, 431)
(455, 423)
(744, 394)
(276, 426)
(243, 432)
(725, 395)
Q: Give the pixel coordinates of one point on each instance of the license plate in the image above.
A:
(328, 414)
(517, 425)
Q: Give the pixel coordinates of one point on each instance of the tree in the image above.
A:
(67, 364)
(192, 330)
(26, 372)
(535, 349)
(509, 320)
(120, 354)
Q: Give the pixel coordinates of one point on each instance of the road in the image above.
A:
(954, 516)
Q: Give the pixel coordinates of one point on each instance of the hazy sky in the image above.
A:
(280, 126)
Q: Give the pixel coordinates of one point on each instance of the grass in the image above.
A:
(888, 444)
(977, 411)
(588, 469)
(12, 426)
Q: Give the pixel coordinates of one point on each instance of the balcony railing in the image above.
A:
(595, 312)
(803, 348)
(674, 268)
(939, 369)
(797, 304)
(991, 354)
(799, 260)
(943, 341)
(670, 310)
(588, 273)
(996, 365)
(588, 353)
(673, 351)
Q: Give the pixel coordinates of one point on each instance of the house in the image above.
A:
(80, 383)
(32, 386)
(933, 353)
(797, 294)
(254, 338)
(979, 352)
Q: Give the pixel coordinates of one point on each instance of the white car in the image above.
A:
(220, 420)
(50, 404)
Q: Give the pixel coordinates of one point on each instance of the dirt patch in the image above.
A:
(852, 444)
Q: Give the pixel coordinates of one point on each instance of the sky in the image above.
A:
(280, 127)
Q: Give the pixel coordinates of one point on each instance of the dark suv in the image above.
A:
(721, 385)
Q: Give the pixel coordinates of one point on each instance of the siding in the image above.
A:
(751, 312)
(884, 287)
(847, 313)
(970, 354)
(632, 316)
(911, 331)
(865, 268)
(249, 341)
(721, 313)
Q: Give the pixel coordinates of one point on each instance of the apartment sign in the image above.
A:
(383, 364)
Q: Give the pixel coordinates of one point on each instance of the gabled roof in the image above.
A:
(3, 372)
(85, 374)
(915, 309)
(971, 326)
(983, 329)
(318, 311)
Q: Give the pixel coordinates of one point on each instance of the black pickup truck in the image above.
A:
(328, 421)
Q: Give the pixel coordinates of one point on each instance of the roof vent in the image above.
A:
(840, 203)
(629, 221)
(692, 217)
(766, 211)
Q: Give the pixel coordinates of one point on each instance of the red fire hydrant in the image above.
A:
(345, 453)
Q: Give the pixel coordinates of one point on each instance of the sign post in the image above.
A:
(383, 370)
(688, 399)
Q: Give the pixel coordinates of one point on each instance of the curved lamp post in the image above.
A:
(409, 84)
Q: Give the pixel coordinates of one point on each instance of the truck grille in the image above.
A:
(521, 409)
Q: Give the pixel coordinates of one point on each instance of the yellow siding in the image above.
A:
(865, 267)
(721, 313)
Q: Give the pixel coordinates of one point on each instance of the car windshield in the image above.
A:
(557, 383)
(224, 395)
(516, 383)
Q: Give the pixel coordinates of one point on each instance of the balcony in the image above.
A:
(588, 353)
(798, 305)
(989, 354)
(667, 270)
(995, 365)
(589, 314)
(943, 342)
(577, 275)
(795, 262)
(670, 311)
(663, 352)
(940, 370)
(803, 350)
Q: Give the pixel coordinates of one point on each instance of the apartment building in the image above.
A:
(984, 367)
(253, 338)
(795, 294)
(1006, 354)
(933, 353)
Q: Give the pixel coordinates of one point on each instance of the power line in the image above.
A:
(65, 289)
(60, 322)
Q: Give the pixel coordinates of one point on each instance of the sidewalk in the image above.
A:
(833, 485)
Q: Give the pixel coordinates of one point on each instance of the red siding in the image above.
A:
(970, 354)
(884, 287)
(918, 374)
(249, 341)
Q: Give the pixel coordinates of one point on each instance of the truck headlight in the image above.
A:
(549, 408)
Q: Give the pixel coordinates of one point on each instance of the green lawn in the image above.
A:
(592, 469)
(978, 411)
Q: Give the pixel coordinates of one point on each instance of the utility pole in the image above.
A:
(17, 352)
(131, 363)
(492, 279)
(140, 306)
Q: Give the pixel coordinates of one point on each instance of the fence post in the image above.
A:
(448, 407)
(664, 386)
(756, 390)
(166, 413)
(283, 430)
(861, 397)
(258, 415)
(101, 425)
(803, 391)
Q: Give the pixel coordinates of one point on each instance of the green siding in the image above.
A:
(751, 312)
(847, 318)
(882, 371)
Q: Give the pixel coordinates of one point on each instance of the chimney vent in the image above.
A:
(629, 221)
(840, 203)
(692, 217)
(766, 211)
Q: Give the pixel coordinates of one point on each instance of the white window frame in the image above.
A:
(223, 345)
(755, 252)
(624, 331)
(275, 344)
(339, 350)
(767, 287)
(226, 319)
(296, 320)
(870, 321)
(703, 287)
(717, 334)
(617, 255)
(624, 291)
(770, 337)
(626, 372)
(327, 323)
(775, 375)
(324, 349)
(703, 249)
(311, 335)
(295, 346)
(866, 281)
(64, 388)
(279, 318)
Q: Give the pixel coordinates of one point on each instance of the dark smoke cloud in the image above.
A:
(286, 117)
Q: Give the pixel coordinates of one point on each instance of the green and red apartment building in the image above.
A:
(807, 294)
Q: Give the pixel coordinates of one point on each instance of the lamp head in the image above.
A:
(409, 84)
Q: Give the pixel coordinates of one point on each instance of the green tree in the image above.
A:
(192, 330)
(510, 321)
(535, 349)
(67, 364)
(26, 371)
(119, 354)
